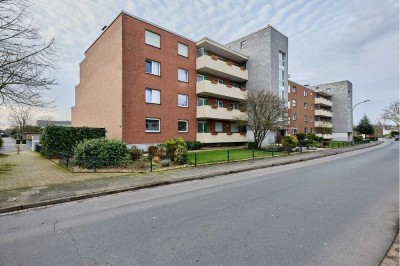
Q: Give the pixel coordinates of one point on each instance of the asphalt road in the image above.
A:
(338, 210)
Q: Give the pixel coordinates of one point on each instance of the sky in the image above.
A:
(329, 40)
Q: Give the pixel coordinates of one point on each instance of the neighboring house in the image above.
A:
(386, 129)
(146, 84)
(301, 109)
(43, 123)
(341, 96)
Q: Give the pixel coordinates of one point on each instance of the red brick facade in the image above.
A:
(304, 107)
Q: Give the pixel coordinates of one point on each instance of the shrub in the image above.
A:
(251, 145)
(358, 138)
(1, 142)
(135, 153)
(156, 151)
(165, 162)
(101, 153)
(176, 150)
(288, 141)
(58, 139)
(273, 147)
(23, 141)
(301, 136)
(195, 145)
(307, 142)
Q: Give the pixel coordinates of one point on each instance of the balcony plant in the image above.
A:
(243, 133)
(214, 106)
(229, 133)
(229, 85)
(242, 89)
(214, 133)
(229, 108)
(229, 63)
(214, 81)
(214, 57)
(243, 68)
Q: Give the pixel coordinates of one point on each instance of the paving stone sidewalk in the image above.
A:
(90, 185)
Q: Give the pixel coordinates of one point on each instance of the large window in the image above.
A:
(234, 128)
(305, 118)
(305, 93)
(201, 77)
(152, 125)
(152, 96)
(183, 49)
(201, 126)
(219, 103)
(183, 100)
(152, 67)
(182, 126)
(152, 39)
(183, 75)
(218, 127)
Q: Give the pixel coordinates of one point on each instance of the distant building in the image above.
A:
(43, 123)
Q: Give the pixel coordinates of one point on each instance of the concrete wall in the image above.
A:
(98, 97)
(342, 103)
(270, 139)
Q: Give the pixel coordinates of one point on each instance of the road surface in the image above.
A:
(338, 210)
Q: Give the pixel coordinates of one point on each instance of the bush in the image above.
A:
(1, 142)
(195, 145)
(156, 151)
(301, 136)
(358, 139)
(176, 150)
(307, 142)
(101, 153)
(23, 141)
(135, 153)
(273, 147)
(288, 141)
(58, 139)
(251, 145)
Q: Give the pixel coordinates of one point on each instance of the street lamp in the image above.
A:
(352, 112)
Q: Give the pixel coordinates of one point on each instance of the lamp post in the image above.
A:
(352, 112)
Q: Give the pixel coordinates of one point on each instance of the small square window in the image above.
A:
(152, 39)
(201, 77)
(202, 101)
(219, 103)
(182, 126)
(305, 93)
(305, 105)
(294, 89)
(294, 116)
(152, 125)
(183, 50)
(152, 96)
(242, 44)
(183, 75)
(220, 81)
(183, 100)
(305, 118)
(294, 103)
(152, 67)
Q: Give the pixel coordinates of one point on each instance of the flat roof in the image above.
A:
(220, 49)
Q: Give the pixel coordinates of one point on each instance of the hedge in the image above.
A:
(58, 139)
(101, 153)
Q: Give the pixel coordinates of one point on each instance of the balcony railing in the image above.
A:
(225, 69)
(323, 113)
(323, 102)
(220, 113)
(323, 124)
(221, 137)
(207, 88)
(325, 136)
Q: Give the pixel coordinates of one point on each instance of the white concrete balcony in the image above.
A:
(323, 124)
(325, 136)
(217, 67)
(207, 88)
(323, 113)
(323, 102)
(221, 137)
(219, 113)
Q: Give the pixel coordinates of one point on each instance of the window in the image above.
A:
(294, 131)
(235, 85)
(311, 95)
(305, 130)
(242, 44)
(152, 125)
(183, 49)
(305, 105)
(294, 116)
(219, 103)
(235, 106)
(311, 130)
(294, 89)
(182, 126)
(305, 93)
(202, 101)
(201, 126)
(152, 67)
(152, 96)
(234, 128)
(218, 127)
(182, 75)
(288, 104)
(294, 103)
(312, 107)
(281, 58)
(183, 100)
(288, 89)
(201, 77)
(305, 118)
(311, 119)
(220, 81)
(152, 39)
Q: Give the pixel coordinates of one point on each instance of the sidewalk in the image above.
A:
(18, 199)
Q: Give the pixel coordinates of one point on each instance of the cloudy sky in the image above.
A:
(329, 40)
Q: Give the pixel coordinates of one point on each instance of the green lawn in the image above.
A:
(217, 156)
(337, 144)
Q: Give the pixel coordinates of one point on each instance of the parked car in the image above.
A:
(396, 138)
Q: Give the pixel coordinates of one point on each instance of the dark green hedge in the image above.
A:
(58, 139)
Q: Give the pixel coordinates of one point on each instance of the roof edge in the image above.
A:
(263, 28)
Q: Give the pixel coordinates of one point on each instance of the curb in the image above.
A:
(169, 182)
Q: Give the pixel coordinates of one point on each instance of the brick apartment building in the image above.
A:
(301, 109)
(146, 84)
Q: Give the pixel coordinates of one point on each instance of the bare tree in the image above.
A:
(21, 116)
(26, 62)
(265, 112)
(392, 113)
